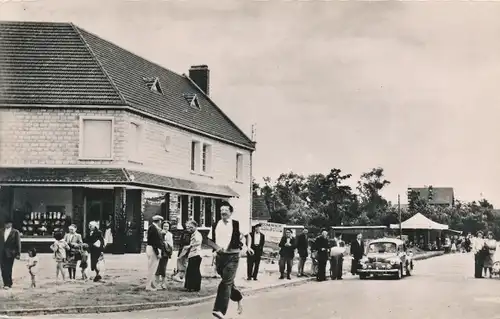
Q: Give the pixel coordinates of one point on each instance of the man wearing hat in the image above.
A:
(10, 249)
(256, 242)
(155, 245)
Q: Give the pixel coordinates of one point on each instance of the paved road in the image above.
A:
(440, 287)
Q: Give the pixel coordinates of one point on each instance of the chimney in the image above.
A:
(200, 74)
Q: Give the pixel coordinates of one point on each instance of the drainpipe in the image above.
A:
(251, 194)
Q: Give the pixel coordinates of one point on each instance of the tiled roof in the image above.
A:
(62, 175)
(172, 183)
(61, 64)
(49, 64)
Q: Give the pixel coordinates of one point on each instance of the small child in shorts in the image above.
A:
(32, 266)
(84, 260)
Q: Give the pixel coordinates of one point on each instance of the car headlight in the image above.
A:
(363, 260)
(365, 266)
(393, 262)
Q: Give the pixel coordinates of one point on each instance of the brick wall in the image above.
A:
(50, 136)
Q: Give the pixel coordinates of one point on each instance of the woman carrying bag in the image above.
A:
(95, 240)
(161, 272)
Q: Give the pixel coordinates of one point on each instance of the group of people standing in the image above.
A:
(484, 250)
(69, 250)
(322, 250)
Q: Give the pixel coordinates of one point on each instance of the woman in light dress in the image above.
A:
(161, 272)
(490, 245)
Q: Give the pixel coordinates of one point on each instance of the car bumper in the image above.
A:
(378, 271)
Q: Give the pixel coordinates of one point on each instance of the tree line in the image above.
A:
(324, 200)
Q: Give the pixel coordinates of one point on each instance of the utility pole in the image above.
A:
(399, 215)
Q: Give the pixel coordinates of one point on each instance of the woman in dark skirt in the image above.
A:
(193, 273)
(161, 272)
(95, 240)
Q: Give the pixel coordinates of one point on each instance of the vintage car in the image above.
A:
(386, 256)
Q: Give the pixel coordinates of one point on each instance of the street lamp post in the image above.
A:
(399, 216)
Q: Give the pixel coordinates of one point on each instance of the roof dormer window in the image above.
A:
(192, 100)
(153, 83)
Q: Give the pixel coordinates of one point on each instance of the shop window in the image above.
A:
(40, 212)
(153, 204)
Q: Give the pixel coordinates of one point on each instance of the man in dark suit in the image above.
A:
(287, 252)
(357, 252)
(256, 242)
(10, 249)
(302, 249)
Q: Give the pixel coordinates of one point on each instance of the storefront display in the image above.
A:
(43, 223)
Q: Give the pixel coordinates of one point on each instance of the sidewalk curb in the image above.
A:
(141, 306)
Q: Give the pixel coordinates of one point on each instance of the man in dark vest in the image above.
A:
(227, 236)
(256, 242)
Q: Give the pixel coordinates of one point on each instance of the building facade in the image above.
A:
(436, 196)
(90, 131)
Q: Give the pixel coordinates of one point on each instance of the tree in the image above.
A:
(330, 197)
(290, 187)
(373, 205)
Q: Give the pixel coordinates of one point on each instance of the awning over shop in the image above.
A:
(12, 176)
(419, 221)
(18, 175)
(171, 183)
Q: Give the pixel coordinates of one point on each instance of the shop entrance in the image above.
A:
(99, 207)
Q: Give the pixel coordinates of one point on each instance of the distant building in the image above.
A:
(438, 196)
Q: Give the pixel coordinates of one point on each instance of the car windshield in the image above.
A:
(382, 248)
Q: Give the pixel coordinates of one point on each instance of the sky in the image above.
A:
(412, 87)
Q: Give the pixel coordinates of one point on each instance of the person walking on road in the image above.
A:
(479, 254)
(357, 252)
(10, 249)
(256, 242)
(226, 235)
(302, 249)
(155, 247)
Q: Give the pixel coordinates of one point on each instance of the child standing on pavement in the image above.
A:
(84, 260)
(59, 248)
(32, 266)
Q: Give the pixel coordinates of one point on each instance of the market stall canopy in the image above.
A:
(419, 221)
